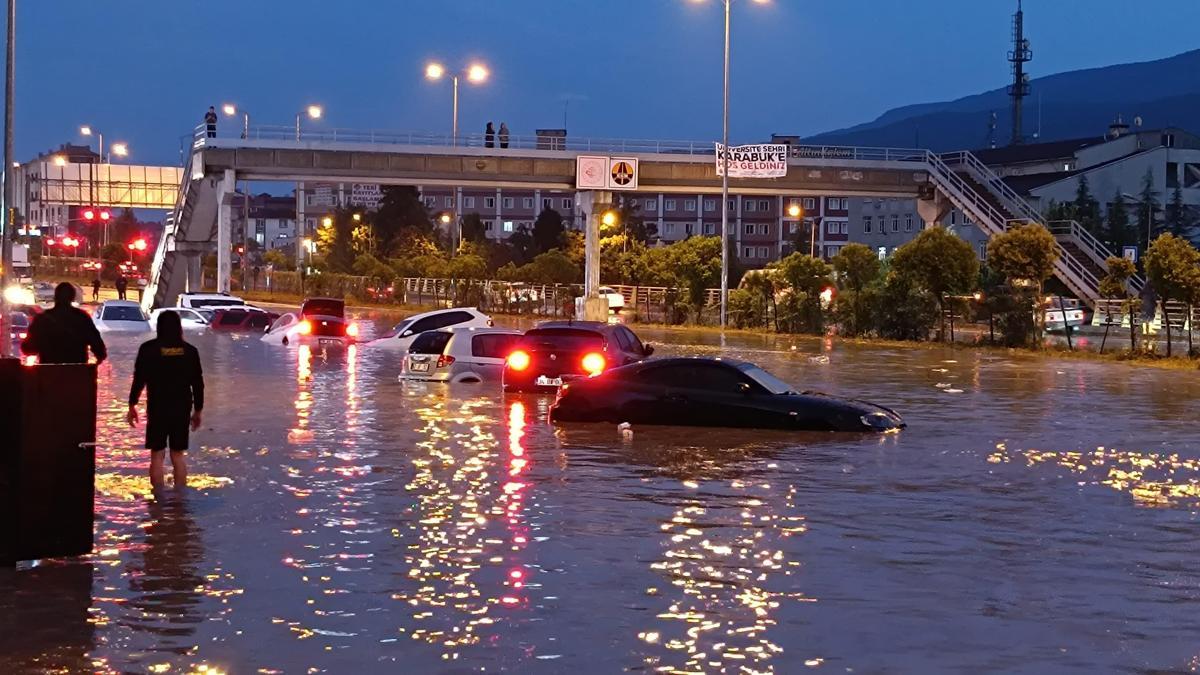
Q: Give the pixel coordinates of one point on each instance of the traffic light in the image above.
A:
(89, 215)
(105, 215)
(93, 213)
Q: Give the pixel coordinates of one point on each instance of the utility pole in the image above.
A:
(6, 219)
(1018, 57)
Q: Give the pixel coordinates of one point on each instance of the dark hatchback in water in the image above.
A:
(712, 392)
(555, 352)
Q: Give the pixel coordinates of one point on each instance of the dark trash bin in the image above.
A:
(47, 460)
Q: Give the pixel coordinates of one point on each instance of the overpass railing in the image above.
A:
(284, 133)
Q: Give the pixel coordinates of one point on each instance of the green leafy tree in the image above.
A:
(548, 231)
(367, 265)
(522, 246)
(473, 229)
(906, 311)
(124, 228)
(277, 259)
(806, 277)
(400, 214)
(1148, 208)
(1025, 256)
(696, 265)
(939, 263)
(468, 266)
(335, 241)
(1086, 210)
(1173, 269)
(552, 267)
(631, 222)
(857, 267)
(858, 271)
(1115, 286)
(755, 299)
(1116, 225)
(1178, 217)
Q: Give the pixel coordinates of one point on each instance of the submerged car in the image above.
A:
(18, 323)
(239, 319)
(191, 319)
(120, 316)
(561, 351)
(401, 336)
(713, 392)
(459, 355)
(321, 321)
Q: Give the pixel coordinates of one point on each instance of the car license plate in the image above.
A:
(419, 367)
(543, 381)
(329, 341)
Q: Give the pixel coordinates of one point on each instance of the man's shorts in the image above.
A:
(164, 432)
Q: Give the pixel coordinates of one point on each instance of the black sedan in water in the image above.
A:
(712, 392)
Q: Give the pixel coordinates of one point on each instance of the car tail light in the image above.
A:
(444, 360)
(22, 335)
(518, 360)
(306, 327)
(491, 323)
(593, 363)
(352, 330)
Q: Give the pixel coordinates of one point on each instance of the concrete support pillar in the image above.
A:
(301, 225)
(193, 270)
(934, 210)
(225, 192)
(592, 206)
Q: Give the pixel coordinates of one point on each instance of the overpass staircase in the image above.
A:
(189, 232)
(985, 198)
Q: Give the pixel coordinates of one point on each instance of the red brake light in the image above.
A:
(594, 363)
(444, 360)
(305, 327)
(518, 360)
(22, 335)
(352, 330)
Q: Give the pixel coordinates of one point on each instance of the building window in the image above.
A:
(430, 202)
(895, 223)
(651, 204)
(749, 206)
(508, 226)
(983, 251)
(732, 205)
(710, 228)
(954, 217)
(831, 203)
(489, 202)
(749, 252)
(689, 205)
(687, 228)
(448, 202)
(749, 229)
(867, 224)
(710, 205)
(810, 203)
(488, 224)
(763, 228)
(568, 204)
(908, 223)
(669, 205)
(762, 251)
(509, 202)
(793, 228)
(527, 202)
(669, 228)
(547, 203)
(469, 202)
(764, 205)
(831, 227)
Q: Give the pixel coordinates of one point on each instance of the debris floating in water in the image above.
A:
(823, 358)
(625, 429)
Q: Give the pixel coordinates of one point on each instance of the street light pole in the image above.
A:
(454, 113)
(6, 221)
(725, 179)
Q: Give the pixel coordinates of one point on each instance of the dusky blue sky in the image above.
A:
(144, 71)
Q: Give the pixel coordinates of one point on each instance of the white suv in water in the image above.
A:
(211, 301)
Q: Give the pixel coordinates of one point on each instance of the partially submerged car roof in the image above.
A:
(323, 307)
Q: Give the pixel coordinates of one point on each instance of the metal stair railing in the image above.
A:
(167, 240)
(1072, 272)
(1090, 245)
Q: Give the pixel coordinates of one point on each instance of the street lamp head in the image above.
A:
(445, 218)
(327, 221)
(357, 217)
(609, 218)
(794, 211)
(434, 71)
(85, 130)
(229, 109)
(59, 160)
(120, 149)
(477, 73)
(315, 112)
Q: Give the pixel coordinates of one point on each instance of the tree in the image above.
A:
(335, 240)
(522, 246)
(1115, 286)
(467, 266)
(124, 228)
(1178, 217)
(1086, 209)
(806, 277)
(858, 271)
(1173, 269)
(939, 263)
(1116, 230)
(473, 229)
(400, 212)
(552, 267)
(695, 264)
(548, 231)
(632, 224)
(277, 259)
(1025, 256)
(1148, 206)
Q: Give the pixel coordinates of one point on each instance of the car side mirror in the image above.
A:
(406, 333)
(648, 349)
(744, 387)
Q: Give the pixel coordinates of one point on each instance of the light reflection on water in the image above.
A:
(342, 521)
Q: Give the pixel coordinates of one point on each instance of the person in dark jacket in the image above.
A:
(489, 136)
(169, 370)
(64, 334)
(122, 285)
(210, 122)
(96, 289)
(503, 135)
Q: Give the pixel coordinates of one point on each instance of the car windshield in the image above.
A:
(430, 342)
(232, 318)
(206, 313)
(562, 338)
(19, 320)
(323, 308)
(123, 313)
(768, 381)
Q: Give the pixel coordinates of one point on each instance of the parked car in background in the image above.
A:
(713, 392)
(1064, 313)
(209, 300)
(320, 321)
(556, 352)
(192, 320)
(459, 355)
(401, 336)
(18, 323)
(120, 316)
(616, 301)
(244, 319)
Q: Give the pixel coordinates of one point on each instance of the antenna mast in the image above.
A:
(1018, 57)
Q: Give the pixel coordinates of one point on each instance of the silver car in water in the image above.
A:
(467, 354)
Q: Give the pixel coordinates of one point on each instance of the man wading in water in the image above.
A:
(169, 369)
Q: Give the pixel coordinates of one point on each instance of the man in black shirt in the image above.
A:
(210, 122)
(64, 333)
(169, 369)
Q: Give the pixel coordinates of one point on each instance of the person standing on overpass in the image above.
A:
(489, 136)
(169, 370)
(503, 135)
(210, 122)
(64, 334)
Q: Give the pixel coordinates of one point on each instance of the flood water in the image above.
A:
(1036, 516)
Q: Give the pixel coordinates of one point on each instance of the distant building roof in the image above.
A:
(1037, 152)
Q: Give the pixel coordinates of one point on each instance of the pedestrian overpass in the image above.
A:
(201, 221)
